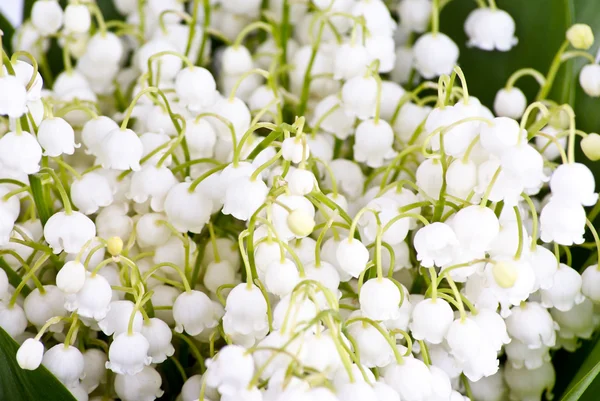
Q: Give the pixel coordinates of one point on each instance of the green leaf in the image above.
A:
(8, 31)
(39, 198)
(540, 28)
(585, 377)
(17, 384)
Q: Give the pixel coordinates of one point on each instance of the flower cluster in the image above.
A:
(250, 193)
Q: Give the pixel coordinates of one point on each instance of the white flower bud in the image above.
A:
(30, 354)
(66, 363)
(20, 152)
(591, 146)
(47, 16)
(510, 103)
(435, 54)
(94, 369)
(68, 231)
(431, 320)
(580, 36)
(589, 79)
(77, 18)
(380, 299)
(145, 385)
(359, 97)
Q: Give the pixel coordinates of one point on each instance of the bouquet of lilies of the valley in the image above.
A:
(290, 200)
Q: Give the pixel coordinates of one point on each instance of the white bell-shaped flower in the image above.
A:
(510, 280)
(491, 388)
(245, 310)
(333, 118)
(39, 308)
(434, 244)
(502, 134)
(24, 72)
(562, 222)
(295, 149)
(461, 178)
(91, 192)
(591, 283)
(117, 319)
(431, 320)
(231, 369)
(187, 211)
(92, 300)
(475, 227)
(150, 232)
(465, 339)
(380, 299)
(357, 391)
(510, 103)
(301, 181)
(377, 17)
(352, 256)
(435, 54)
(47, 16)
(565, 291)
(236, 112)
(519, 355)
(411, 379)
(151, 183)
(193, 312)
(30, 354)
(57, 137)
(530, 384)
(128, 354)
(506, 187)
(574, 182)
(578, 322)
(94, 369)
(485, 364)
(196, 88)
(589, 79)
(373, 142)
(544, 266)
(359, 97)
(169, 64)
(491, 29)
(218, 274)
(430, 177)
(201, 138)
(388, 210)
(281, 216)
(120, 149)
(68, 232)
(13, 97)
(350, 60)
(244, 196)
(144, 385)
(281, 277)
(415, 14)
(20, 152)
(77, 18)
(493, 328)
(65, 362)
(94, 131)
(12, 319)
(525, 163)
(531, 324)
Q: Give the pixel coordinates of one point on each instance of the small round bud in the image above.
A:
(114, 246)
(580, 36)
(300, 222)
(505, 274)
(590, 145)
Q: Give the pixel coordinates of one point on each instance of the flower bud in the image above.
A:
(30, 354)
(590, 145)
(300, 222)
(115, 246)
(580, 36)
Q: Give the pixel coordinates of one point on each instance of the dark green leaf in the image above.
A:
(8, 30)
(584, 378)
(540, 27)
(39, 198)
(17, 384)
